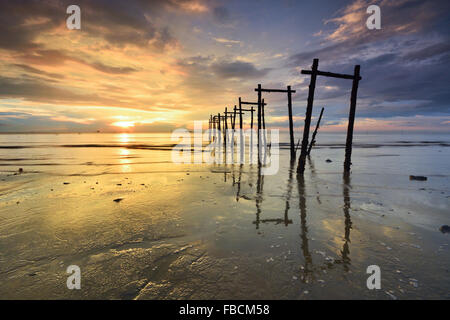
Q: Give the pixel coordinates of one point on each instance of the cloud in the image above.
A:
(403, 65)
(238, 69)
(227, 41)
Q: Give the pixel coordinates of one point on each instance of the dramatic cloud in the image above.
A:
(159, 64)
(404, 65)
(238, 69)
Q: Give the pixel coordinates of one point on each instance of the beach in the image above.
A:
(142, 227)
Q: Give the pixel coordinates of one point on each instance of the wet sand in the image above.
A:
(223, 231)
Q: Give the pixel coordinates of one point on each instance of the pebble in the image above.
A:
(444, 229)
(391, 295)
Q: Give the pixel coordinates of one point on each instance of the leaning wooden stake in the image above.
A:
(309, 107)
(313, 139)
(351, 120)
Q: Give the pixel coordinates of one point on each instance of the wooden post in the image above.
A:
(209, 127)
(251, 135)
(263, 125)
(241, 134)
(259, 121)
(313, 139)
(309, 107)
(291, 122)
(234, 122)
(351, 121)
(225, 128)
(219, 138)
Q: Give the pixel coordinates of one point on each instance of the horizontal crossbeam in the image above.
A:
(331, 74)
(251, 103)
(274, 90)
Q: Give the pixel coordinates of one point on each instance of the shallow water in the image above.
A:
(222, 231)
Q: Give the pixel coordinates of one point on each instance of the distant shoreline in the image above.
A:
(169, 132)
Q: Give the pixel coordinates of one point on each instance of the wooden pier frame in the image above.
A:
(314, 72)
(252, 111)
(289, 92)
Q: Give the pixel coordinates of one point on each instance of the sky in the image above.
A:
(154, 66)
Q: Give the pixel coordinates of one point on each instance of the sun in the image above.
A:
(124, 124)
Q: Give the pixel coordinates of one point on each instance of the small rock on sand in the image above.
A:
(418, 178)
(66, 182)
(118, 199)
(444, 229)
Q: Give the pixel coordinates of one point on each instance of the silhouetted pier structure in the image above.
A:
(221, 120)
(289, 92)
(314, 72)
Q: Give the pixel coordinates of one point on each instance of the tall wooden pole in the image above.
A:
(309, 107)
(219, 132)
(214, 129)
(263, 124)
(225, 129)
(259, 121)
(351, 121)
(234, 122)
(241, 136)
(313, 138)
(251, 134)
(291, 123)
(209, 127)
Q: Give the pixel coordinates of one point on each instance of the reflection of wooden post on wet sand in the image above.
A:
(252, 110)
(304, 228)
(259, 198)
(348, 222)
(238, 193)
(289, 193)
